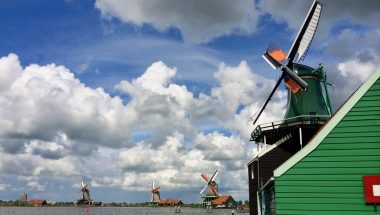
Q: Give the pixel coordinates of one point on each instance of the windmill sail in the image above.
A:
(306, 34)
(85, 192)
(213, 190)
(275, 58)
(297, 52)
(155, 193)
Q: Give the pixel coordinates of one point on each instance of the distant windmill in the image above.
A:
(155, 194)
(85, 191)
(211, 184)
(85, 195)
(212, 189)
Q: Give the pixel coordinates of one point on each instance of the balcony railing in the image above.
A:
(299, 120)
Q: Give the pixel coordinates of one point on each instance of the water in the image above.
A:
(105, 211)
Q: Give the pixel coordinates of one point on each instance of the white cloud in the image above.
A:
(333, 11)
(3, 186)
(176, 161)
(239, 85)
(356, 70)
(27, 165)
(198, 21)
(10, 70)
(45, 101)
(353, 57)
(156, 80)
(53, 125)
(36, 186)
(178, 165)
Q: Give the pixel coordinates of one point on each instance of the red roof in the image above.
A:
(220, 200)
(170, 201)
(36, 202)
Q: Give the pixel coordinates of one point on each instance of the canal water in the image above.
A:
(106, 211)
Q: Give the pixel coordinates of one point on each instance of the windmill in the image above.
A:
(292, 71)
(85, 199)
(211, 184)
(155, 195)
(308, 108)
(85, 195)
(212, 188)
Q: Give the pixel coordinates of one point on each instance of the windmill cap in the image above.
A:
(304, 70)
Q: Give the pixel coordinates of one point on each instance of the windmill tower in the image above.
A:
(85, 195)
(308, 108)
(212, 188)
(155, 199)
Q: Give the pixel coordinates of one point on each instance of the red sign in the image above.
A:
(372, 188)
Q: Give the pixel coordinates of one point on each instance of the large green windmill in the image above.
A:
(307, 87)
(308, 109)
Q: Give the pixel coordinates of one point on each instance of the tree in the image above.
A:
(246, 203)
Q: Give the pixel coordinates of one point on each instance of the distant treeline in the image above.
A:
(112, 204)
(24, 203)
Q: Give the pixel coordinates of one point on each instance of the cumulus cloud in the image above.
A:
(30, 165)
(54, 125)
(10, 70)
(350, 43)
(354, 56)
(198, 21)
(333, 12)
(184, 153)
(3, 186)
(44, 102)
(36, 186)
(177, 164)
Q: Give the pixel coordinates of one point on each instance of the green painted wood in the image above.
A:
(314, 189)
(280, 195)
(355, 134)
(373, 98)
(345, 158)
(363, 109)
(374, 93)
(345, 152)
(362, 117)
(323, 212)
(363, 113)
(367, 104)
(358, 123)
(357, 129)
(332, 170)
(339, 164)
(329, 180)
(359, 145)
(331, 207)
(353, 140)
(321, 177)
(321, 183)
(322, 200)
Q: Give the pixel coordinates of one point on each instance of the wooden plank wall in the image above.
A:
(330, 179)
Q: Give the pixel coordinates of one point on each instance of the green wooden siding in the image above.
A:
(329, 179)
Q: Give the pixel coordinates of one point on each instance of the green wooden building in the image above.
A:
(326, 176)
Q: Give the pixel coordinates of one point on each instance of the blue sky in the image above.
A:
(154, 90)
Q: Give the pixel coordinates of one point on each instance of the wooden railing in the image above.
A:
(299, 120)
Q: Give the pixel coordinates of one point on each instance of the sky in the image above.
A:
(120, 93)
